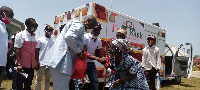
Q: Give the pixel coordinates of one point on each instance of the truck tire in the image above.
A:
(177, 79)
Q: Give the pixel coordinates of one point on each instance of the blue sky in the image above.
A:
(180, 18)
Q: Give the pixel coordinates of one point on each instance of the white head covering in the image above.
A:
(121, 30)
(122, 44)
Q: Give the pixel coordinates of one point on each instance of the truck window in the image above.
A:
(168, 60)
(61, 27)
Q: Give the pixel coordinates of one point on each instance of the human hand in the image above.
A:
(116, 83)
(81, 55)
(37, 66)
(11, 57)
(19, 68)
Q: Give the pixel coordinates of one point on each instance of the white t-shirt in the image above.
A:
(44, 44)
(91, 45)
(23, 36)
(3, 44)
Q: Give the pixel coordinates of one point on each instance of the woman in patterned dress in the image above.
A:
(128, 73)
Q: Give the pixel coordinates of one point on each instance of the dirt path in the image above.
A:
(195, 74)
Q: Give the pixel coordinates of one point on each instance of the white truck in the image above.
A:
(173, 65)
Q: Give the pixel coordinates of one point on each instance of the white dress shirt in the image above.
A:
(151, 57)
(24, 36)
(91, 45)
(3, 44)
(44, 44)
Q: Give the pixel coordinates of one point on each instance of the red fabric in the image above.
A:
(28, 54)
(100, 11)
(102, 15)
(55, 32)
(80, 67)
(104, 74)
(113, 14)
(69, 15)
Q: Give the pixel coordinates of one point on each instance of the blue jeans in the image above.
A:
(92, 75)
(2, 72)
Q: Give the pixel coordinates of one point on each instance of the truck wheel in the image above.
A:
(177, 79)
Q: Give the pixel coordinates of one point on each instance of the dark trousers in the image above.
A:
(8, 66)
(26, 81)
(14, 76)
(2, 72)
(150, 76)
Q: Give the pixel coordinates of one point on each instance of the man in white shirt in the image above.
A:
(27, 54)
(92, 45)
(44, 44)
(6, 15)
(151, 61)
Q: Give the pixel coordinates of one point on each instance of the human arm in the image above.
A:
(124, 79)
(158, 60)
(143, 60)
(37, 52)
(132, 68)
(18, 44)
(101, 60)
(37, 63)
(10, 48)
(18, 56)
(73, 35)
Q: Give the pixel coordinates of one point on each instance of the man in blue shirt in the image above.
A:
(6, 15)
(66, 49)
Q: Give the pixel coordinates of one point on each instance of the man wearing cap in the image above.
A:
(92, 45)
(151, 61)
(44, 44)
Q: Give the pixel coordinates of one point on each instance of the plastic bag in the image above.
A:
(80, 67)
(157, 81)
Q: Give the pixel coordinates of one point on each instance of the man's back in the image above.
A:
(3, 44)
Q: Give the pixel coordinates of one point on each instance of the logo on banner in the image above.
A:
(129, 26)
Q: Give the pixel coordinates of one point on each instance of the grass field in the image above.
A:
(186, 84)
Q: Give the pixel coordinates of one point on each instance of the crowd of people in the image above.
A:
(56, 59)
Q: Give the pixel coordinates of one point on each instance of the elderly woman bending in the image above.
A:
(128, 73)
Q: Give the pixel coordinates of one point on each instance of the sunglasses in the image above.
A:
(33, 25)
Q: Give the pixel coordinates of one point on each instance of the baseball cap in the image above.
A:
(98, 26)
(48, 27)
(150, 37)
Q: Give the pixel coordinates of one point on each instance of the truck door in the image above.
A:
(181, 66)
(182, 63)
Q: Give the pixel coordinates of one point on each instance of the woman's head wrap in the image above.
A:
(121, 30)
(122, 44)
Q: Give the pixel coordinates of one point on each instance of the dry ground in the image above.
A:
(186, 84)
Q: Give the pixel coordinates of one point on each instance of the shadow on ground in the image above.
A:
(169, 83)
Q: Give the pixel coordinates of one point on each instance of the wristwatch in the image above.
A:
(19, 64)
